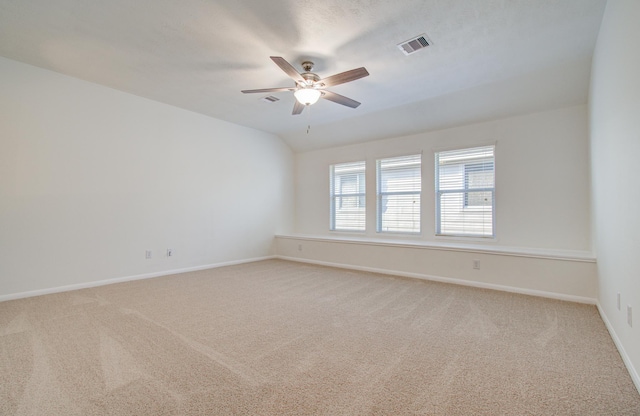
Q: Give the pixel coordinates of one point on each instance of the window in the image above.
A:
(465, 199)
(398, 194)
(347, 188)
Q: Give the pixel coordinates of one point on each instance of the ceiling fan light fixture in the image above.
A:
(307, 96)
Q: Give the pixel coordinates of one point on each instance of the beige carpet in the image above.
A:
(280, 338)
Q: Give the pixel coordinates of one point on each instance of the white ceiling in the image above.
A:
(489, 58)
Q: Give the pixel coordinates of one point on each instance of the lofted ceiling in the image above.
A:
(489, 58)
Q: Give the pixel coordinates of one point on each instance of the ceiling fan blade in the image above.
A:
(297, 108)
(343, 77)
(287, 68)
(340, 99)
(269, 90)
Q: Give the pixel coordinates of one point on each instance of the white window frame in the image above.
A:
(464, 190)
(381, 194)
(358, 169)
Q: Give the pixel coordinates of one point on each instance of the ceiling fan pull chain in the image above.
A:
(308, 119)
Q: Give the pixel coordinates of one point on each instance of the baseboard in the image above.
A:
(481, 285)
(625, 357)
(125, 279)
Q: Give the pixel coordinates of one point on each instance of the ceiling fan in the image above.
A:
(310, 87)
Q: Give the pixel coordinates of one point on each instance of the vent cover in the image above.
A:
(415, 44)
(270, 99)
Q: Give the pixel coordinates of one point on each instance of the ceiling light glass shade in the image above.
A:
(307, 96)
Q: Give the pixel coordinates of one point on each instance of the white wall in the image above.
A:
(615, 148)
(542, 189)
(543, 242)
(545, 274)
(91, 177)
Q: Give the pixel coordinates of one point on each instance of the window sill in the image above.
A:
(469, 239)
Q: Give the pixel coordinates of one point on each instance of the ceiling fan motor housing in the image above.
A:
(310, 78)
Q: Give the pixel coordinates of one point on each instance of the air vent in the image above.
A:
(415, 44)
(270, 99)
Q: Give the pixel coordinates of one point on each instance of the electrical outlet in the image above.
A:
(476, 264)
(147, 254)
(618, 301)
(629, 316)
(169, 252)
(299, 247)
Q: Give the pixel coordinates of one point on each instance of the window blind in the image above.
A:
(347, 196)
(465, 192)
(399, 182)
